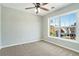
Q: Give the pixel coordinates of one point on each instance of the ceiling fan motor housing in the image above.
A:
(37, 5)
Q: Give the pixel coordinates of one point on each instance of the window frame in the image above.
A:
(75, 11)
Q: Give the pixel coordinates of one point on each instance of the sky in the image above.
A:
(66, 20)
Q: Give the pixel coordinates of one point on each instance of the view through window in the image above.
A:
(63, 26)
(54, 24)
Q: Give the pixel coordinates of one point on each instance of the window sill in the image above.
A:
(58, 38)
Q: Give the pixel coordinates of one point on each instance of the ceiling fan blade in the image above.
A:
(34, 4)
(30, 8)
(44, 8)
(44, 4)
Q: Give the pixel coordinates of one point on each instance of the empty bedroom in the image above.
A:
(39, 29)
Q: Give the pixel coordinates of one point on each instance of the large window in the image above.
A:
(63, 26)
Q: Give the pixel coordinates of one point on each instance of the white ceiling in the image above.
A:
(22, 6)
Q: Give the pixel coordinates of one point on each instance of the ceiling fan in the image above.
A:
(37, 6)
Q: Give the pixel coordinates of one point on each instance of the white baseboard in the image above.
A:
(19, 43)
(63, 46)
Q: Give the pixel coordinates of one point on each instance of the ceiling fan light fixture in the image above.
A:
(37, 10)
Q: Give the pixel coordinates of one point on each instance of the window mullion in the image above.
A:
(59, 27)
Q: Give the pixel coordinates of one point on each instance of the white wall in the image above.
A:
(0, 26)
(77, 26)
(64, 43)
(19, 27)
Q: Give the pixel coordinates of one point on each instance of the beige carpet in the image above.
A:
(40, 48)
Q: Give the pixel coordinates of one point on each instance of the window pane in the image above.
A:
(54, 27)
(68, 26)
